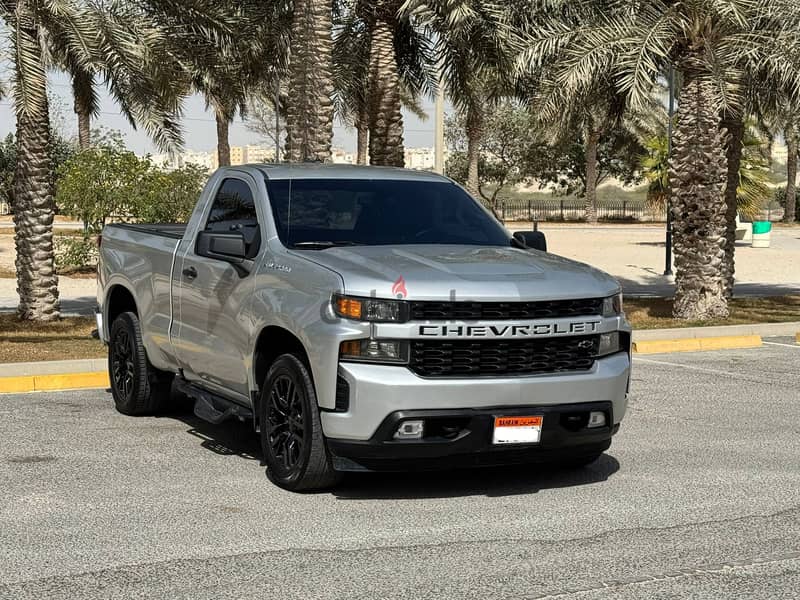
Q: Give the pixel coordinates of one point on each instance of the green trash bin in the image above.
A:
(761, 234)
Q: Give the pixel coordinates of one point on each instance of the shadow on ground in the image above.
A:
(235, 439)
(491, 482)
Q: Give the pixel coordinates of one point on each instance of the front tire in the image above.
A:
(137, 387)
(294, 447)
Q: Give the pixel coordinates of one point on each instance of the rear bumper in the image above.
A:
(463, 438)
(378, 391)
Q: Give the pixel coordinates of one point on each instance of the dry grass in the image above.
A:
(70, 338)
(656, 313)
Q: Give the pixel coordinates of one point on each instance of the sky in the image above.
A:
(198, 123)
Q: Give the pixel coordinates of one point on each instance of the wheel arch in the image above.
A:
(119, 299)
(272, 342)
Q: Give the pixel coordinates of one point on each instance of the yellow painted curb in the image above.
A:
(66, 381)
(728, 342)
(797, 337)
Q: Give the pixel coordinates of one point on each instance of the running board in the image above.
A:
(212, 408)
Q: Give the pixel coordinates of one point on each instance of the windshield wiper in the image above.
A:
(321, 245)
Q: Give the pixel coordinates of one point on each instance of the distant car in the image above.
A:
(364, 319)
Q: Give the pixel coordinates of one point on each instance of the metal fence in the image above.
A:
(572, 209)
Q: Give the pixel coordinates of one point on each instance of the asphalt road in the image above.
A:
(698, 497)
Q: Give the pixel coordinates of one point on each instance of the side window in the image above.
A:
(234, 209)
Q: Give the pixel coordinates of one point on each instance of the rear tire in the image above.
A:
(294, 447)
(137, 387)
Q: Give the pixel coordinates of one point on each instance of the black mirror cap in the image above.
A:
(228, 247)
(532, 239)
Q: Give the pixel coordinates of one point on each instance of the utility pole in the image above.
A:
(668, 258)
(439, 141)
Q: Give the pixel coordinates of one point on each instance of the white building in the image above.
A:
(342, 157)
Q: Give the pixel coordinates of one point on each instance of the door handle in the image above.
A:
(190, 272)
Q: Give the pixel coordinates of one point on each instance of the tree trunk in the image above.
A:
(34, 209)
(734, 128)
(82, 83)
(386, 118)
(309, 110)
(791, 175)
(698, 170)
(474, 131)
(223, 145)
(362, 128)
(590, 200)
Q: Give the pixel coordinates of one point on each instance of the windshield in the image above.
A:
(321, 213)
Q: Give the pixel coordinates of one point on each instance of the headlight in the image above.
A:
(612, 306)
(371, 350)
(370, 309)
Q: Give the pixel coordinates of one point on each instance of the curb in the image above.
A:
(698, 344)
(63, 381)
(92, 373)
(790, 329)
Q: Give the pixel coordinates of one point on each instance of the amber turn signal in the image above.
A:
(348, 307)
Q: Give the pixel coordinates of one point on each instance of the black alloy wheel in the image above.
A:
(123, 370)
(285, 429)
(137, 387)
(292, 441)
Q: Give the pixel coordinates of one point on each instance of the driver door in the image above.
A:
(213, 295)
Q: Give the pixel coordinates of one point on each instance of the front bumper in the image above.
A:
(463, 438)
(377, 391)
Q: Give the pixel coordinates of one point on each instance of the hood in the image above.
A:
(442, 272)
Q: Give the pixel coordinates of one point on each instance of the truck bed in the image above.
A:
(170, 230)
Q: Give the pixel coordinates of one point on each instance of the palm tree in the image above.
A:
(87, 35)
(791, 135)
(134, 62)
(226, 53)
(385, 115)
(34, 209)
(309, 110)
(474, 52)
(353, 76)
(351, 48)
(710, 44)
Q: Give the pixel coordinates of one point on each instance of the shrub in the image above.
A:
(76, 253)
(109, 183)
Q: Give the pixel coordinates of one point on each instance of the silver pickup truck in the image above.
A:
(364, 319)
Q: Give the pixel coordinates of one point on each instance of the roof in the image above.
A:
(331, 171)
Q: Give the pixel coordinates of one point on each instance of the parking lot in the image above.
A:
(698, 496)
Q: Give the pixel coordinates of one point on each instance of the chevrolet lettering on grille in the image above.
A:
(510, 331)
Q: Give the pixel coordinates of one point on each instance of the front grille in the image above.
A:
(546, 309)
(504, 357)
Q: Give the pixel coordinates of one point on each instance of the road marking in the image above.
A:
(795, 346)
(702, 369)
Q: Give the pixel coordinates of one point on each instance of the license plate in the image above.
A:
(517, 430)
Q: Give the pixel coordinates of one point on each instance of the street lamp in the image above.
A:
(671, 83)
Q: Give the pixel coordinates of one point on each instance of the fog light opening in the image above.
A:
(410, 430)
(597, 419)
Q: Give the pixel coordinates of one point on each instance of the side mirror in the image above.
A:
(532, 239)
(227, 247)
